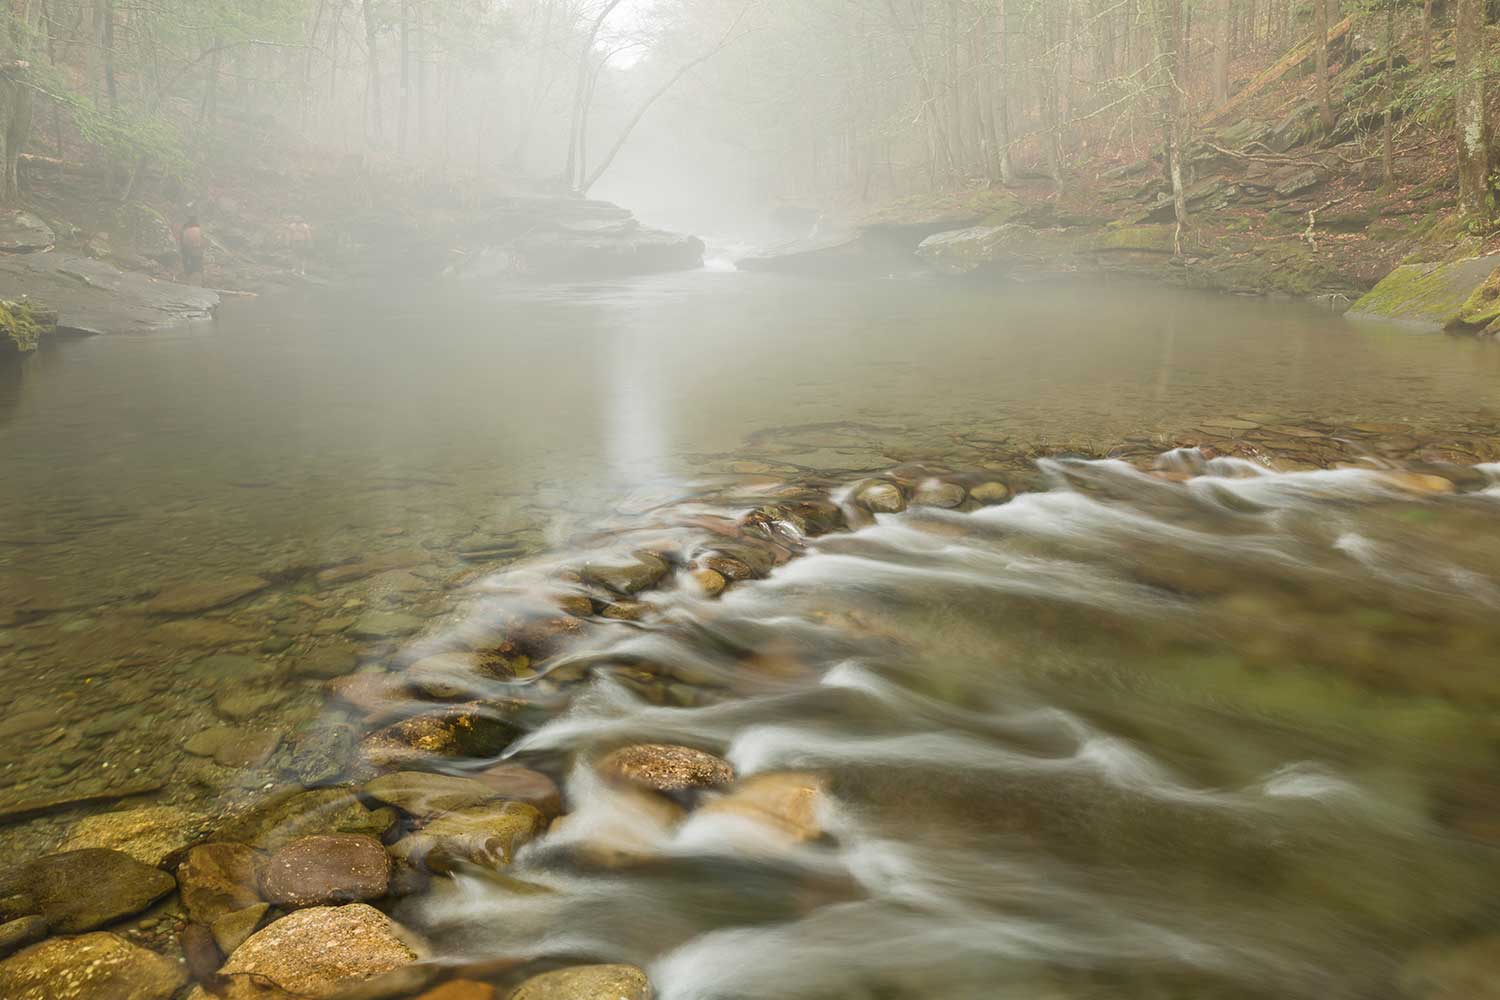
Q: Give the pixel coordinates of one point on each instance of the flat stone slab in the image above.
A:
(1425, 295)
(22, 232)
(92, 296)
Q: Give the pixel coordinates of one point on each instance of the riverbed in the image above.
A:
(1162, 724)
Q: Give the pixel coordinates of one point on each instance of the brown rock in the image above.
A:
(369, 567)
(880, 497)
(937, 493)
(233, 746)
(785, 801)
(97, 966)
(371, 692)
(666, 768)
(315, 953)
(461, 731)
(424, 794)
(710, 581)
(521, 784)
(296, 812)
(485, 835)
(81, 890)
(218, 879)
(626, 574)
(17, 934)
(150, 834)
(328, 868)
(460, 989)
(626, 611)
(234, 929)
(991, 493)
(587, 982)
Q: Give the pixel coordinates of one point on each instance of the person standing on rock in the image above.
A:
(190, 244)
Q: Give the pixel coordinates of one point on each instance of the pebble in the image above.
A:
(990, 493)
(936, 493)
(881, 497)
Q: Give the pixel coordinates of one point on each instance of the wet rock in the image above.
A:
(322, 869)
(234, 929)
(22, 232)
(245, 701)
(990, 493)
(461, 675)
(82, 890)
(485, 835)
(628, 574)
(385, 625)
(460, 989)
(880, 497)
(150, 834)
(316, 952)
(371, 692)
(349, 572)
(326, 662)
(711, 582)
(1429, 295)
(283, 817)
(936, 493)
(787, 802)
(322, 752)
(17, 905)
(521, 784)
(587, 982)
(1416, 482)
(464, 731)
(626, 611)
(218, 879)
(203, 595)
(232, 746)
(666, 767)
(423, 794)
(98, 966)
(92, 296)
(17, 934)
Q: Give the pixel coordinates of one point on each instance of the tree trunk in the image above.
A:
(1002, 76)
(1473, 125)
(1427, 35)
(1325, 98)
(374, 111)
(573, 170)
(1388, 153)
(1221, 51)
(1169, 29)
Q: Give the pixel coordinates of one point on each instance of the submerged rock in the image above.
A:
(486, 835)
(82, 890)
(234, 928)
(423, 794)
(17, 934)
(666, 768)
(203, 595)
(880, 497)
(327, 868)
(587, 982)
(218, 879)
(294, 813)
(150, 834)
(463, 731)
(627, 575)
(521, 784)
(787, 802)
(98, 966)
(316, 952)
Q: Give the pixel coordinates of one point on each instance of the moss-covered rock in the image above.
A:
(1435, 295)
(1481, 308)
(24, 324)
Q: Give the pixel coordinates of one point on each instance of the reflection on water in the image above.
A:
(1206, 732)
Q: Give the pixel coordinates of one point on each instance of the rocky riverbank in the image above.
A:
(296, 884)
(106, 268)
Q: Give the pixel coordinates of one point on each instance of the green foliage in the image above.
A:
(24, 323)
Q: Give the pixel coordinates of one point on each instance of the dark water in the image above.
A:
(1127, 736)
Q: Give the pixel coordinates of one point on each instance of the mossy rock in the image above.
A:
(1436, 296)
(1482, 308)
(1138, 239)
(25, 323)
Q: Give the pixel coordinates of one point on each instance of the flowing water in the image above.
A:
(1164, 725)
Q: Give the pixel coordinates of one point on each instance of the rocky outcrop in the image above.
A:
(1436, 296)
(91, 296)
(22, 232)
(559, 237)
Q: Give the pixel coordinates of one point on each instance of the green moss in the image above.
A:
(1482, 308)
(1146, 239)
(1431, 293)
(24, 323)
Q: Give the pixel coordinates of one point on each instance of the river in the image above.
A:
(1220, 731)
